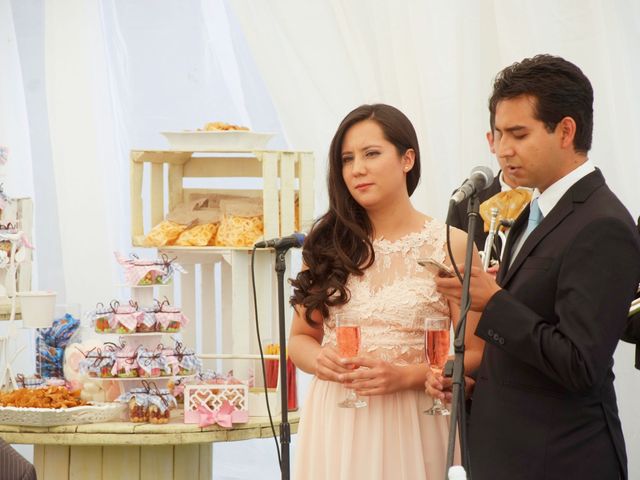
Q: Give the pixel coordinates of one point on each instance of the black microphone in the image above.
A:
(479, 179)
(294, 240)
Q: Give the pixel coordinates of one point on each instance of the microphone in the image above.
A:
(479, 179)
(294, 240)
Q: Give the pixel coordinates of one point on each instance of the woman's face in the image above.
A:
(373, 170)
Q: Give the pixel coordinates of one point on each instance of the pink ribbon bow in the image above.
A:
(222, 417)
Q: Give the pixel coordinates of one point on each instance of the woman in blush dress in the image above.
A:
(360, 258)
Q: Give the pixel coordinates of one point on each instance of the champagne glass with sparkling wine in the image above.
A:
(436, 349)
(348, 339)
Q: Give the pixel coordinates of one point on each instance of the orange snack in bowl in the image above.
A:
(49, 397)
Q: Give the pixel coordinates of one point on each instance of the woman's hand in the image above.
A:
(373, 376)
(328, 365)
(437, 386)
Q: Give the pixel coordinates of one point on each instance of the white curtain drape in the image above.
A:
(83, 148)
(16, 176)
(436, 62)
(85, 81)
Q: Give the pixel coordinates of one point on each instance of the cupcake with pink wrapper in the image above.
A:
(139, 272)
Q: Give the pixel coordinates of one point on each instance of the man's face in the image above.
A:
(526, 151)
(501, 162)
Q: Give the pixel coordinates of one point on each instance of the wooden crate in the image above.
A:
(216, 291)
(278, 170)
(217, 295)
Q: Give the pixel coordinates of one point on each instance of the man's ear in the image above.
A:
(567, 129)
(490, 141)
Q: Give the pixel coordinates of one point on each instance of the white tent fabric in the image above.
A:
(16, 176)
(436, 61)
(85, 81)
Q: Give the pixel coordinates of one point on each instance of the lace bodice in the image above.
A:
(395, 295)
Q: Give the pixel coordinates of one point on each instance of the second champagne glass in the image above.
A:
(436, 349)
(348, 339)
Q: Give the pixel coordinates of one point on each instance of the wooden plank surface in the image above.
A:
(157, 193)
(306, 174)
(175, 185)
(135, 187)
(38, 460)
(123, 433)
(156, 463)
(160, 156)
(208, 309)
(56, 463)
(199, 167)
(271, 208)
(120, 463)
(186, 461)
(188, 301)
(287, 193)
(85, 463)
(206, 461)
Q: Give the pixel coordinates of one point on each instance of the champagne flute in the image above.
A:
(436, 350)
(348, 339)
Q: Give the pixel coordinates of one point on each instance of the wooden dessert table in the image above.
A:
(128, 451)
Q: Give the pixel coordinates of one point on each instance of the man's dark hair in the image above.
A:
(559, 88)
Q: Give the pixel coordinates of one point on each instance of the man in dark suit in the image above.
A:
(544, 405)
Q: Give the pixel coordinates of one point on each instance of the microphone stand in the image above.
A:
(455, 368)
(285, 429)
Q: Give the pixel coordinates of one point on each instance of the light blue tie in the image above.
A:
(535, 217)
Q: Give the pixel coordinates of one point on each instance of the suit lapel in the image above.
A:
(514, 233)
(548, 224)
(578, 193)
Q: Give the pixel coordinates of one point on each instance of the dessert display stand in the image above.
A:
(215, 293)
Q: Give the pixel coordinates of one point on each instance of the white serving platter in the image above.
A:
(226, 140)
(49, 417)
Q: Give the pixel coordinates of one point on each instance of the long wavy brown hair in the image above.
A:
(339, 242)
